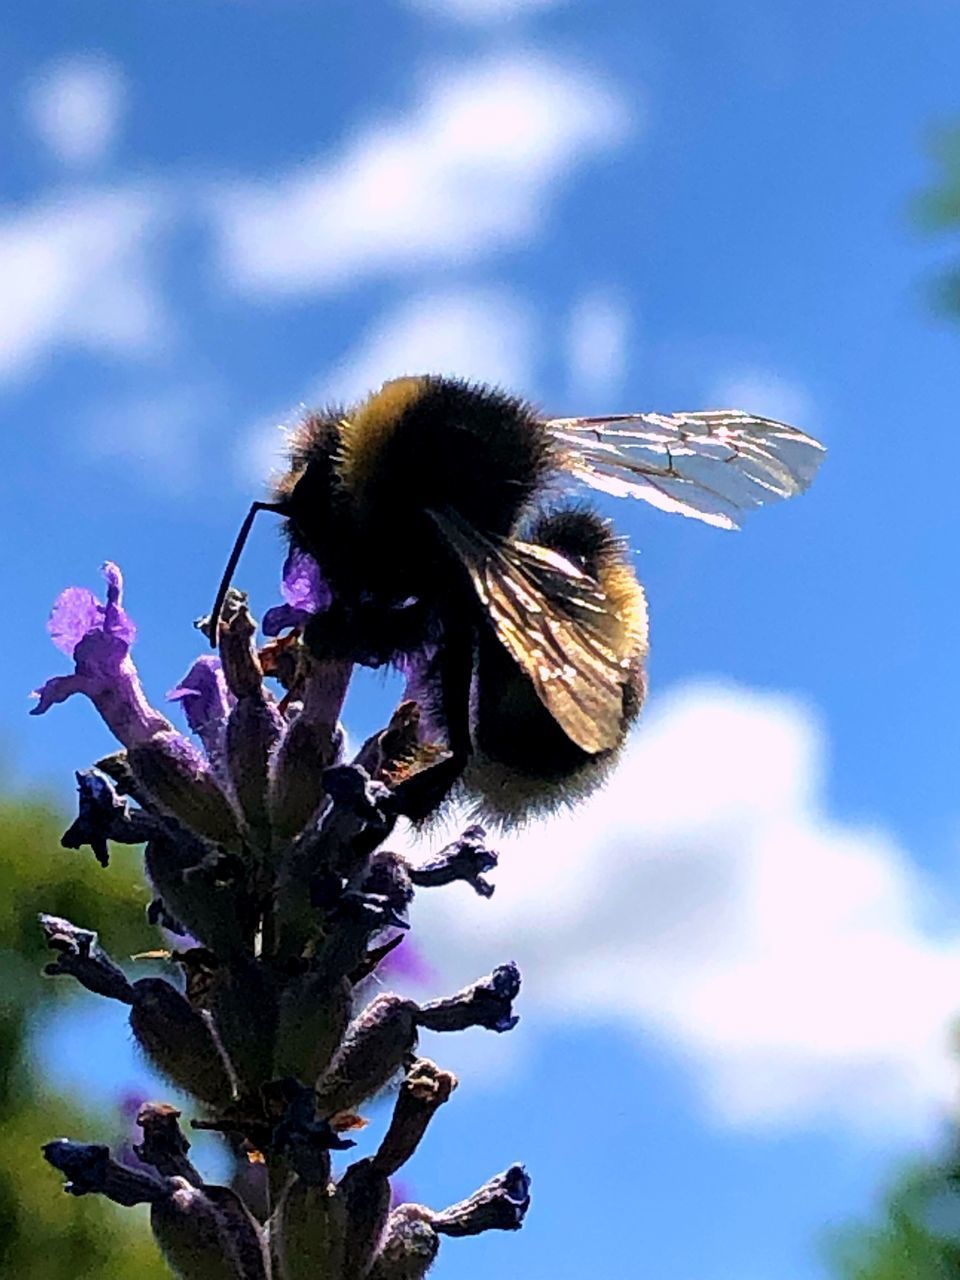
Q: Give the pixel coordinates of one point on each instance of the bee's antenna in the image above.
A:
(232, 565)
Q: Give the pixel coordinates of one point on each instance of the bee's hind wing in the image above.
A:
(550, 617)
(712, 465)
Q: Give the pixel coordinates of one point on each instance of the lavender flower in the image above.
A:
(206, 701)
(98, 638)
(404, 963)
(304, 592)
(266, 851)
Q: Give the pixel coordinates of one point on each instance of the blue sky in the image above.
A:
(742, 962)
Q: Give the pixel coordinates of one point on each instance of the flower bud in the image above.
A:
(465, 859)
(208, 1234)
(365, 1194)
(206, 703)
(164, 1144)
(408, 1248)
(80, 955)
(351, 827)
(296, 793)
(486, 1003)
(312, 1018)
(295, 922)
(312, 744)
(104, 815)
(500, 1205)
(89, 1168)
(242, 1002)
(178, 1041)
(425, 1089)
(351, 918)
(358, 820)
(375, 1047)
(181, 783)
(253, 731)
(207, 892)
(388, 875)
(241, 666)
(308, 1233)
(254, 725)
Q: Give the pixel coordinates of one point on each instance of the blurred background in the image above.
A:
(742, 962)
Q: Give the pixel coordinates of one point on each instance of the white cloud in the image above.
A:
(76, 271)
(482, 333)
(484, 11)
(597, 341)
(706, 901)
(466, 173)
(75, 106)
(766, 393)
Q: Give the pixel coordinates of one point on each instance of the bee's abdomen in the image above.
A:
(580, 534)
(510, 723)
(524, 763)
(590, 542)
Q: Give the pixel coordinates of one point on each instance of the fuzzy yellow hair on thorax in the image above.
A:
(368, 429)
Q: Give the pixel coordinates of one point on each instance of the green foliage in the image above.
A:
(937, 211)
(918, 1236)
(45, 1234)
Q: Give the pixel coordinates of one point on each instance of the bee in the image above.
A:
(523, 763)
(524, 629)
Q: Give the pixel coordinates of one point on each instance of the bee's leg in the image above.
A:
(420, 796)
(451, 676)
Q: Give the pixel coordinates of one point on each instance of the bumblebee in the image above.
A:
(522, 761)
(423, 507)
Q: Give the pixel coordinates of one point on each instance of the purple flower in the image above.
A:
(400, 1192)
(304, 591)
(129, 1103)
(206, 701)
(98, 638)
(405, 963)
(77, 611)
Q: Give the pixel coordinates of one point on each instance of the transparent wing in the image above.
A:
(713, 466)
(551, 618)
